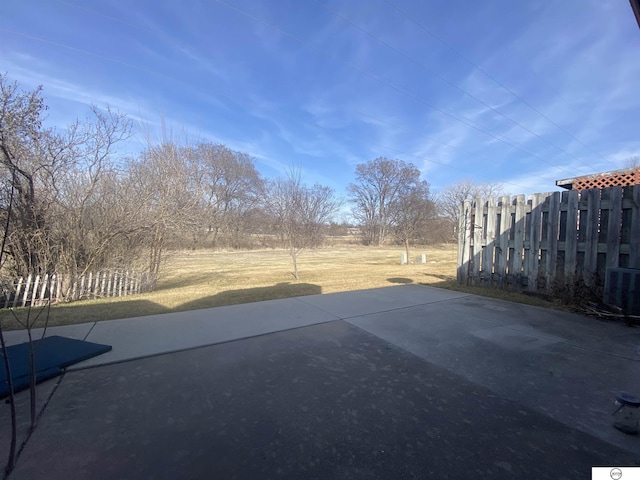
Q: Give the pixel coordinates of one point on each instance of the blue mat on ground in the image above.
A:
(52, 355)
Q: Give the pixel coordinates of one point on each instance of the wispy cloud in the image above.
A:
(55, 87)
(329, 96)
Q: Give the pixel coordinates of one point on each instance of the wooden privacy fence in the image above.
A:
(513, 242)
(40, 289)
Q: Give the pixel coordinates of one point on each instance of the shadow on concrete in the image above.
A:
(249, 295)
(400, 280)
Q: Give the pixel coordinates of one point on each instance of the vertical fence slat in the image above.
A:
(27, 287)
(59, 281)
(18, 290)
(613, 229)
(634, 234)
(503, 242)
(571, 240)
(464, 246)
(489, 234)
(518, 237)
(535, 220)
(120, 284)
(477, 241)
(90, 286)
(553, 225)
(43, 289)
(74, 287)
(591, 235)
(109, 282)
(103, 284)
(34, 291)
(53, 288)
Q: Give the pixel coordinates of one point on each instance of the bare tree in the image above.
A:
(411, 214)
(58, 179)
(230, 189)
(168, 193)
(633, 162)
(379, 183)
(29, 157)
(301, 213)
(92, 214)
(452, 197)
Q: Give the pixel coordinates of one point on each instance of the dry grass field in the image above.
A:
(202, 279)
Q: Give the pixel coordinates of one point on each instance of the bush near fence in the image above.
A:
(35, 290)
(535, 243)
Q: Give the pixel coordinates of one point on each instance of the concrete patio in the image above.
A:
(398, 382)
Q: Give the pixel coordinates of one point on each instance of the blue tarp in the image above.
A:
(52, 356)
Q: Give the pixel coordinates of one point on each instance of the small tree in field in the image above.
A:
(411, 214)
(300, 213)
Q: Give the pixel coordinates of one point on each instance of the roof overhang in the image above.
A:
(635, 5)
(568, 182)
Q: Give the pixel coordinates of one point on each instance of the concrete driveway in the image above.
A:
(398, 382)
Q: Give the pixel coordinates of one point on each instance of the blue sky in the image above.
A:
(523, 93)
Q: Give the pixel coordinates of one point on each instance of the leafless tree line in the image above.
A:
(73, 204)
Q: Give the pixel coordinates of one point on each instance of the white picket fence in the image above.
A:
(37, 290)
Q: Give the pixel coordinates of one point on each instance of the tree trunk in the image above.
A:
(406, 246)
(294, 259)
